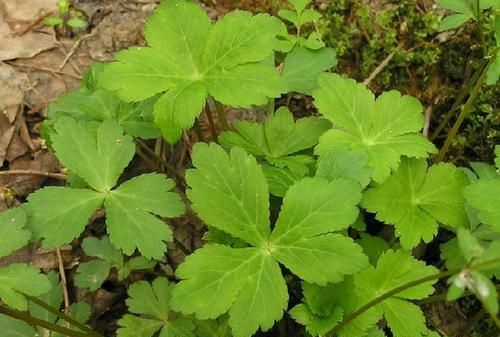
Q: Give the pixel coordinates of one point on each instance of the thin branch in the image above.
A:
(461, 95)
(40, 322)
(381, 66)
(399, 289)
(153, 154)
(64, 283)
(464, 113)
(63, 316)
(58, 176)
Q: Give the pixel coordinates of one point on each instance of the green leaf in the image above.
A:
(324, 307)
(151, 301)
(299, 5)
(14, 235)
(60, 214)
(297, 239)
(279, 180)
(131, 208)
(493, 74)
(302, 67)
(459, 6)
(469, 245)
(345, 163)
(54, 297)
(188, 58)
(373, 246)
(99, 158)
(316, 326)
(17, 280)
(280, 135)
(12, 327)
(386, 128)
(92, 274)
(53, 21)
(103, 249)
(309, 15)
(290, 16)
(415, 199)
(484, 196)
(394, 269)
(213, 328)
(229, 193)
(90, 103)
(453, 21)
(77, 23)
(79, 311)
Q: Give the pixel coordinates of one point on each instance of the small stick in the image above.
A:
(381, 66)
(64, 283)
(73, 49)
(35, 22)
(211, 123)
(58, 176)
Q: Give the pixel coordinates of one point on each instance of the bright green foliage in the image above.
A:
(14, 236)
(386, 128)
(328, 305)
(324, 307)
(299, 17)
(373, 246)
(93, 273)
(229, 192)
(151, 301)
(302, 67)
(93, 103)
(213, 328)
(18, 279)
(12, 327)
(415, 199)
(279, 142)
(345, 163)
(464, 11)
(188, 59)
(484, 196)
(394, 269)
(99, 156)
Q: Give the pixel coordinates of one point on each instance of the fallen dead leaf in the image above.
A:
(16, 13)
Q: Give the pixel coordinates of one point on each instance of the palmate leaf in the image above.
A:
(302, 67)
(328, 305)
(484, 196)
(279, 141)
(229, 192)
(152, 301)
(415, 199)
(93, 273)
(99, 154)
(14, 235)
(386, 128)
(188, 58)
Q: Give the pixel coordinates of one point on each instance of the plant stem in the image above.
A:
(464, 113)
(153, 154)
(211, 123)
(39, 322)
(63, 316)
(58, 176)
(399, 289)
(222, 115)
(461, 95)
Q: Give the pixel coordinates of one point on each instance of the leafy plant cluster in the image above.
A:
(287, 203)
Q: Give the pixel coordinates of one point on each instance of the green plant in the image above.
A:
(67, 16)
(307, 249)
